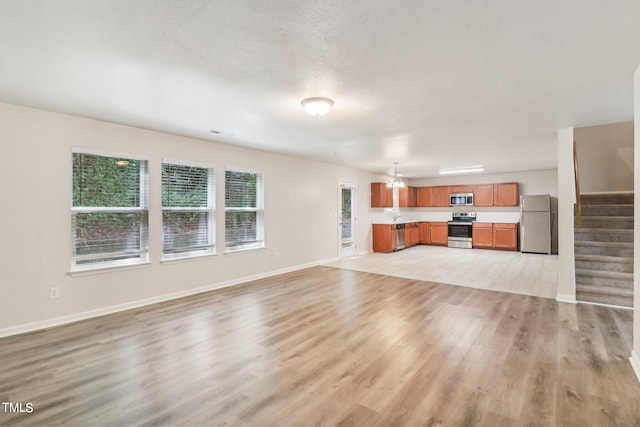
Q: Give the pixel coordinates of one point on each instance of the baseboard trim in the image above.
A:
(635, 363)
(63, 320)
(570, 299)
(606, 305)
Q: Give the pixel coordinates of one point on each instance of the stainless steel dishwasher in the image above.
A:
(399, 236)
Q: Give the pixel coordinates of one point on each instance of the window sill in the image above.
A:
(244, 251)
(106, 269)
(187, 258)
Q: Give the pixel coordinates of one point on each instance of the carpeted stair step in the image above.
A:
(601, 298)
(606, 279)
(608, 222)
(619, 292)
(604, 263)
(604, 249)
(607, 198)
(606, 210)
(603, 235)
(621, 249)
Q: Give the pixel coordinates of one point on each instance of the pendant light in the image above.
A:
(395, 181)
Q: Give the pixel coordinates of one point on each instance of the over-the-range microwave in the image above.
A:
(461, 199)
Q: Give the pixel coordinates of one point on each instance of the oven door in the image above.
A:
(460, 235)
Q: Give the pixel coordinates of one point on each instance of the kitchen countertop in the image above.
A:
(391, 222)
(422, 220)
(504, 217)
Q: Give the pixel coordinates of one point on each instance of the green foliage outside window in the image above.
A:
(100, 181)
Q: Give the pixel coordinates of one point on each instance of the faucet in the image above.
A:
(396, 217)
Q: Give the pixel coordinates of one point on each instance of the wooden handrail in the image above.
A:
(577, 183)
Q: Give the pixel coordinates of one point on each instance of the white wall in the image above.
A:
(635, 354)
(605, 157)
(566, 200)
(35, 175)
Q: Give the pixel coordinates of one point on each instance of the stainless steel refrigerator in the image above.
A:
(535, 224)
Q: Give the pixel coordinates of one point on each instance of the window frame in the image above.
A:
(143, 253)
(211, 209)
(259, 243)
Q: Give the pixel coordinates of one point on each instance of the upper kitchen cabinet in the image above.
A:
(505, 194)
(381, 195)
(454, 189)
(483, 195)
(424, 197)
(408, 197)
(440, 196)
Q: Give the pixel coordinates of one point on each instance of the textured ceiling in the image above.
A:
(427, 83)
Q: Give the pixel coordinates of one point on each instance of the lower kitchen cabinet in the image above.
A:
(384, 238)
(501, 236)
(412, 234)
(482, 235)
(505, 237)
(486, 235)
(425, 233)
(439, 233)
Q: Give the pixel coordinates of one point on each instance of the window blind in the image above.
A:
(244, 210)
(188, 215)
(109, 214)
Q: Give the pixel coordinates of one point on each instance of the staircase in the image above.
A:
(604, 249)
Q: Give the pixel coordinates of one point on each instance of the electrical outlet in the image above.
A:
(54, 292)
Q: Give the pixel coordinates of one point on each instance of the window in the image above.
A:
(188, 215)
(109, 213)
(244, 210)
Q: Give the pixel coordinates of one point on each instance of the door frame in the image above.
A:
(353, 250)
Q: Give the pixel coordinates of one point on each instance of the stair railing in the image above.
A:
(578, 205)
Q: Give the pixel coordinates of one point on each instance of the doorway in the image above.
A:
(346, 218)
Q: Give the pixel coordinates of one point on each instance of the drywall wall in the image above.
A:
(635, 354)
(605, 157)
(566, 200)
(301, 210)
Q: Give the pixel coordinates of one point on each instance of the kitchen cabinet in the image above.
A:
(482, 235)
(439, 233)
(412, 234)
(381, 195)
(425, 233)
(483, 195)
(407, 197)
(460, 189)
(505, 237)
(384, 238)
(501, 236)
(505, 194)
(424, 197)
(440, 196)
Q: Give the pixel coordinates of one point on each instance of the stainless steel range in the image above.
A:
(460, 230)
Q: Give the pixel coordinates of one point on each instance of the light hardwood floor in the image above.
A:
(514, 272)
(327, 346)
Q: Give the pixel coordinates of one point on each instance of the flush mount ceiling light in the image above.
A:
(395, 181)
(317, 106)
(471, 169)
